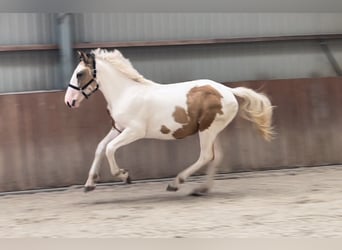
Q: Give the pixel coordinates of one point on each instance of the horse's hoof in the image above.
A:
(171, 188)
(197, 194)
(88, 188)
(200, 192)
(128, 180)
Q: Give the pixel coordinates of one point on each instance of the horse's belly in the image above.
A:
(162, 130)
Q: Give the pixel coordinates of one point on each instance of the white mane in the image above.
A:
(121, 63)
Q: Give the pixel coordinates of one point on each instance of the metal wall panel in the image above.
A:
(233, 62)
(102, 27)
(218, 62)
(45, 144)
(27, 28)
(27, 71)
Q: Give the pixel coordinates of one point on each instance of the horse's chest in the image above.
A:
(119, 120)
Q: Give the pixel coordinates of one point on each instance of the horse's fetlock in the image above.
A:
(95, 177)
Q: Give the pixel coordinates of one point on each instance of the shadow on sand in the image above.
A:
(166, 198)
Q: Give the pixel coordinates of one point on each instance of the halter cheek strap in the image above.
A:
(85, 87)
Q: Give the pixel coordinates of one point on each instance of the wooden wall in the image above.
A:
(45, 144)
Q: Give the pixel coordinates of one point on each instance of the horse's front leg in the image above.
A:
(127, 136)
(99, 155)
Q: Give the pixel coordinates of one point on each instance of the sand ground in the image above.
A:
(303, 202)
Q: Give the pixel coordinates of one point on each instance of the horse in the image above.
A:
(141, 108)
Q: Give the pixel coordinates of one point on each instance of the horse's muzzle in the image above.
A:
(72, 105)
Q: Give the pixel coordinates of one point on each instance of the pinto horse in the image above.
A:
(141, 108)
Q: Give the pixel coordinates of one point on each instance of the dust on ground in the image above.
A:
(303, 202)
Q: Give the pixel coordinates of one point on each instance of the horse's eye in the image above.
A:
(79, 74)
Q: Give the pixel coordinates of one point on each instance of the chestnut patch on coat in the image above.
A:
(180, 115)
(203, 103)
(165, 130)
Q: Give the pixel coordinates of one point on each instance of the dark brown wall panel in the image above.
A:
(45, 144)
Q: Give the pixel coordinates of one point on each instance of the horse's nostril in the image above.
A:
(68, 104)
(73, 103)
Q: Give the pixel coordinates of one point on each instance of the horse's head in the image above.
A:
(83, 81)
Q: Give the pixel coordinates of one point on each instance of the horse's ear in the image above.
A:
(83, 56)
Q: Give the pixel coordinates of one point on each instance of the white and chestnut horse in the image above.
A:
(141, 108)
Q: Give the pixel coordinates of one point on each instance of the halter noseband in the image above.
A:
(81, 89)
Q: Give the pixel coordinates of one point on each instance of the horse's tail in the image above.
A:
(257, 108)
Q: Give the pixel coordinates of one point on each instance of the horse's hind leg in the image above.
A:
(207, 139)
(211, 170)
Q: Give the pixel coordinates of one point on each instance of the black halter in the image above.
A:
(89, 82)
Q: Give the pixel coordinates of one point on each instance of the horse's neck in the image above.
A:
(114, 91)
(115, 85)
